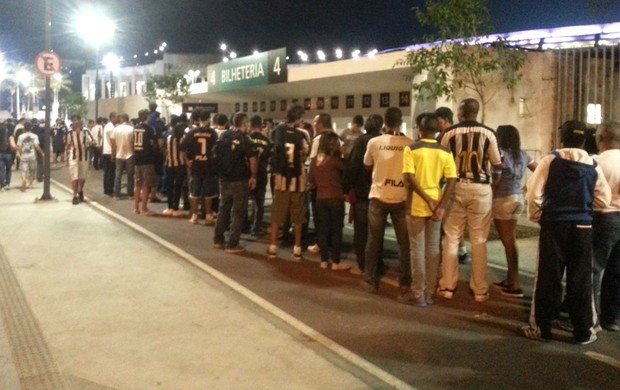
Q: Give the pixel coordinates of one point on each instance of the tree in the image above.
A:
(460, 55)
(168, 89)
(75, 103)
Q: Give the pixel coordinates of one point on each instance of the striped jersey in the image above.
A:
(474, 148)
(78, 143)
(173, 151)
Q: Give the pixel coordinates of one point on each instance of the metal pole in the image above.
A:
(48, 103)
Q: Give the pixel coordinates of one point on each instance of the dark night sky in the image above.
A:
(200, 25)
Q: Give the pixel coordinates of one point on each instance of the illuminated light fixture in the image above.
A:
(339, 53)
(303, 56)
(594, 114)
(111, 62)
(135, 56)
(321, 55)
(355, 54)
(373, 53)
(146, 54)
(155, 51)
(255, 53)
(164, 44)
(225, 59)
(233, 55)
(161, 48)
(223, 47)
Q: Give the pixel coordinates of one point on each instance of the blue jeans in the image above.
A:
(129, 166)
(233, 207)
(6, 160)
(377, 217)
(606, 265)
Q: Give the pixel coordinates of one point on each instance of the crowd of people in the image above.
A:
(452, 176)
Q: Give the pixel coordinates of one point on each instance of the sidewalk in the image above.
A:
(104, 308)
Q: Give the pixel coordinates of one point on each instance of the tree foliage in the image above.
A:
(75, 103)
(169, 88)
(459, 54)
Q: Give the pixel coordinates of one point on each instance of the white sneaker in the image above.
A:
(194, 219)
(314, 248)
(168, 212)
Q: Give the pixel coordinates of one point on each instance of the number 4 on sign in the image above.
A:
(276, 66)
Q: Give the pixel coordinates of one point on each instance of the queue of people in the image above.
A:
(449, 178)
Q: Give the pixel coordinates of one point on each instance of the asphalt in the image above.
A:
(88, 303)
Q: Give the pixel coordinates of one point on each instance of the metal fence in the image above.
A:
(588, 87)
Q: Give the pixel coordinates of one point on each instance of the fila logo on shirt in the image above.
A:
(394, 183)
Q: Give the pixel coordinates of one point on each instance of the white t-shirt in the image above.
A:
(107, 132)
(27, 142)
(385, 153)
(123, 136)
(609, 161)
(314, 149)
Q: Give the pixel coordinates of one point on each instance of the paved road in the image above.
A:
(454, 344)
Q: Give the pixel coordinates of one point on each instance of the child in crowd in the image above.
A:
(425, 164)
(326, 176)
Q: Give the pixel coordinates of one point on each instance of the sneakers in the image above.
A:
(445, 293)
(194, 219)
(411, 298)
(324, 264)
(501, 285)
(430, 299)
(534, 333)
(234, 250)
(209, 221)
(314, 248)
(341, 267)
(168, 212)
(481, 297)
(610, 326)
(592, 338)
(369, 287)
(357, 271)
(297, 253)
(76, 200)
(513, 293)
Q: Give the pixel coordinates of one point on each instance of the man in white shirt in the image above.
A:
(121, 140)
(606, 232)
(106, 158)
(388, 195)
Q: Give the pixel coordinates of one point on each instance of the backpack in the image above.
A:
(228, 152)
(286, 159)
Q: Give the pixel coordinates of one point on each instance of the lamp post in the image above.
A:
(95, 28)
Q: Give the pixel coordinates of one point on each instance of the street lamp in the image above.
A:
(95, 28)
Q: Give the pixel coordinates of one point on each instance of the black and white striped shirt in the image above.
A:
(173, 151)
(78, 143)
(474, 147)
